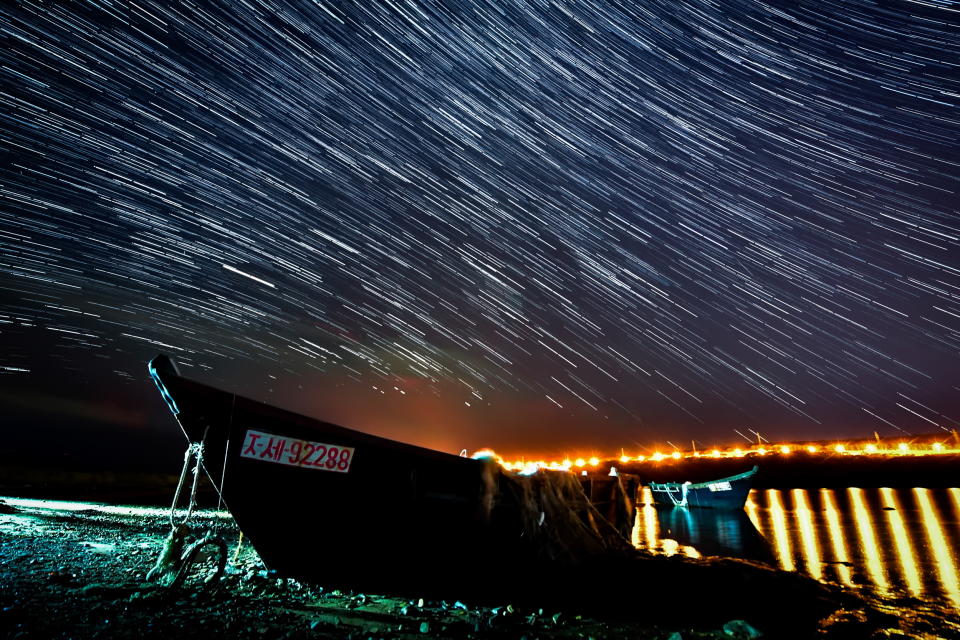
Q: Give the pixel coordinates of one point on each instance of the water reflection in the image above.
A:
(945, 556)
(780, 536)
(905, 554)
(872, 556)
(841, 559)
(895, 541)
(712, 533)
(808, 535)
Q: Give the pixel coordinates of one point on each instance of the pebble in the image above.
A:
(740, 630)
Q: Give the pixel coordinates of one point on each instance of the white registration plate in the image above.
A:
(269, 447)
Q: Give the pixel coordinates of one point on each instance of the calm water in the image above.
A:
(896, 541)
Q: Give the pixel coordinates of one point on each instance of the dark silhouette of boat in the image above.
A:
(338, 507)
(347, 510)
(725, 493)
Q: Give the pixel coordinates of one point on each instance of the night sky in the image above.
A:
(544, 227)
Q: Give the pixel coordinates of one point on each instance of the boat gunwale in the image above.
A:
(668, 486)
(299, 421)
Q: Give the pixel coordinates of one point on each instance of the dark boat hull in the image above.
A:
(725, 493)
(341, 508)
(325, 519)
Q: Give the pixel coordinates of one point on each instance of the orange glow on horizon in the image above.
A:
(889, 448)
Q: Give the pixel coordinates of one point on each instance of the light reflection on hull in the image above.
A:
(893, 541)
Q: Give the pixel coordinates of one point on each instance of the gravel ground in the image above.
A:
(76, 570)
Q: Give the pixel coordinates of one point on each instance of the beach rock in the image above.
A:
(740, 630)
(97, 589)
(61, 576)
(325, 619)
(7, 509)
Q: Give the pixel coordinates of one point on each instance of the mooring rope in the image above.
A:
(190, 556)
(226, 450)
(194, 450)
(175, 561)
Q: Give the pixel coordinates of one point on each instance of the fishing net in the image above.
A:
(551, 514)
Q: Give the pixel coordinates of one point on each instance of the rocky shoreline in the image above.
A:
(73, 570)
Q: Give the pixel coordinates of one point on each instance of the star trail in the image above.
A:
(544, 225)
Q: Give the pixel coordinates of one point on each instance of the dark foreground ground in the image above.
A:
(78, 571)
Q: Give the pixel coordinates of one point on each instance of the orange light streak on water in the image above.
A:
(635, 532)
(751, 508)
(837, 540)
(781, 538)
(808, 536)
(955, 498)
(868, 541)
(905, 553)
(946, 568)
(651, 525)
